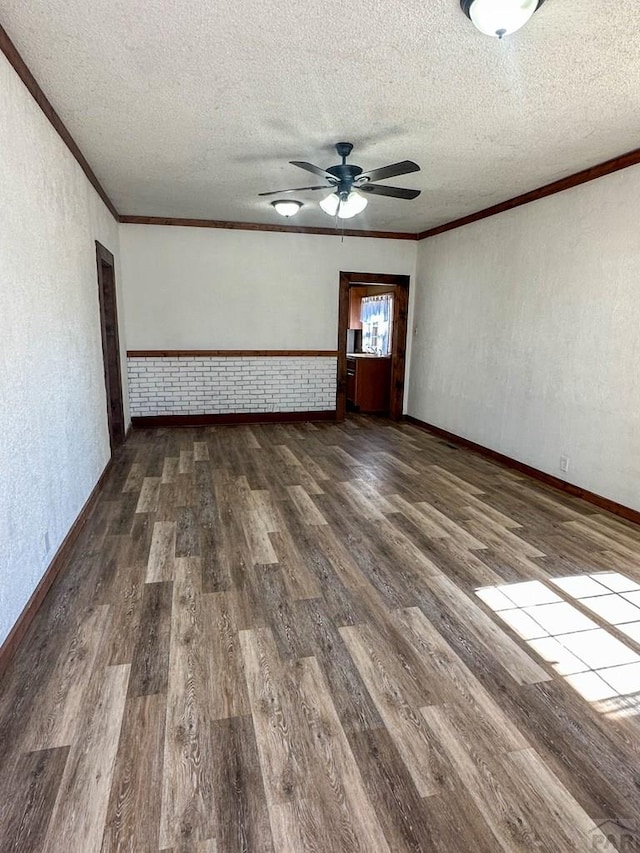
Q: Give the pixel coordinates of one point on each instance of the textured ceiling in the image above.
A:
(190, 108)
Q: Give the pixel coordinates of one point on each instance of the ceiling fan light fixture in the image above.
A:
(344, 206)
(354, 204)
(499, 18)
(330, 204)
(349, 185)
(286, 207)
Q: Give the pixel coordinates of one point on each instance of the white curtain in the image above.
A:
(376, 313)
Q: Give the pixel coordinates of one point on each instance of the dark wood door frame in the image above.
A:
(110, 344)
(398, 336)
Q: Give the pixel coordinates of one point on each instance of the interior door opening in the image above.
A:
(372, 339)
(110, 345)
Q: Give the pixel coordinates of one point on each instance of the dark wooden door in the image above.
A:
(110, 345)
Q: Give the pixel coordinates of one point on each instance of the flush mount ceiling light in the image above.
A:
(499, 18)
(344, 205)
(287, 208)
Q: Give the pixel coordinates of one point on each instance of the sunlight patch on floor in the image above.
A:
(599, 666)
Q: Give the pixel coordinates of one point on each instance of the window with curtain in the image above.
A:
(376, 313)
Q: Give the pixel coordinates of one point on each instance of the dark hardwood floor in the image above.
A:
(328, 638)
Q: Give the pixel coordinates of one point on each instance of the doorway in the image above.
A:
(110, 345)
(399, 284)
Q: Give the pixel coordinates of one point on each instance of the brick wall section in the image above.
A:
(207, 385)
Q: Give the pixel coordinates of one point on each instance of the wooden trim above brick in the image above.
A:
(231, 353)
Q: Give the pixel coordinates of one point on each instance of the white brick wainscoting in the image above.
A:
(202, 385)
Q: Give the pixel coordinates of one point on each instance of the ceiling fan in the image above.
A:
(348, 182)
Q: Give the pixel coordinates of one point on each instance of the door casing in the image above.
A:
(110, 345)
(401, 284)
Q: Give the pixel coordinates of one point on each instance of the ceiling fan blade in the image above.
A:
(392, 171)
(309, 167)
(297, 190)
(393, 192)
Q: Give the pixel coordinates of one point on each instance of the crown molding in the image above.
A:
(631, 158)
(608, 167)
(262, 226)
(23, 72)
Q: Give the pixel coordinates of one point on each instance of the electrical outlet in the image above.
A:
(564, 464)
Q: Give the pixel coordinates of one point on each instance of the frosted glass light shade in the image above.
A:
(345, 209)
(501, 17)
(330, 204)
(354, 205)
(287, 208)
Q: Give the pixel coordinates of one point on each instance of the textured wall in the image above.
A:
(201, 288)
(205, 385)
(53, 414)
(528, 334)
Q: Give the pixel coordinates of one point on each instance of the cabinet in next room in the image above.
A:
(368, 383)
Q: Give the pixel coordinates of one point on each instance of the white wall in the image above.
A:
(528, 334)
(202, 288)
(53, 429)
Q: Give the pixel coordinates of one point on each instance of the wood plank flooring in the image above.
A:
(328, 638)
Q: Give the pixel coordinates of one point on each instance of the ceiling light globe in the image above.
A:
(330, 204)
(354, 204)
(287, 207)
(499, 18)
